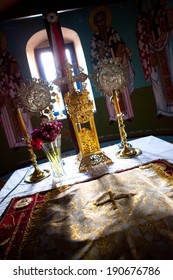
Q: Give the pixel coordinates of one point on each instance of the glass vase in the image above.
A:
(52, 151)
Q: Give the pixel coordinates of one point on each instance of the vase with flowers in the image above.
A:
(47, 137)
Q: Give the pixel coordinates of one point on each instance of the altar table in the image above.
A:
(152, 148)
(124, 213)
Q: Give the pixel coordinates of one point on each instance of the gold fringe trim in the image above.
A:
(159, 170)
(33, 223)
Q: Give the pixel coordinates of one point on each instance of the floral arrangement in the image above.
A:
(46, 132)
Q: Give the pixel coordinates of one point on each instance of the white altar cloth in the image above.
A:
(152, 148)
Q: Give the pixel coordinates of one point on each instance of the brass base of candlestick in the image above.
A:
(120, 146)
(127, 150)
(90, 160)
(37, 176)
(128, 153)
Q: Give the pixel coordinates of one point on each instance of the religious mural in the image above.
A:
(154, 35)
(106, 43)
(10, 77)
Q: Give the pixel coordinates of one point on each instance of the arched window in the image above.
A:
(38, 45)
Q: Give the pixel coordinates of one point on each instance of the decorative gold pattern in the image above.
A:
(80, 109)
(127, 215)
(87, 141)
(79, 106)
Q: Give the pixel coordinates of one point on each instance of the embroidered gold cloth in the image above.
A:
(127, 215)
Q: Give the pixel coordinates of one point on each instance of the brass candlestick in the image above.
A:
(34, 96)
(127, 150)
(38, 174)
(110, 79)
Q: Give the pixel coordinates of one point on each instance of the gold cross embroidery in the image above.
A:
(112, 197)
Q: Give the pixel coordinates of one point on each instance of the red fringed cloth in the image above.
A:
(15, 222)
(124, 215)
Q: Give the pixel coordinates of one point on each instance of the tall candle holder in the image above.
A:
(37, 175)
(127, 150)
(110, 80)
(33, 96)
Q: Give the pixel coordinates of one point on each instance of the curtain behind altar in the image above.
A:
(127, 215)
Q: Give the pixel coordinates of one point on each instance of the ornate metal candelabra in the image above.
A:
(34, 96)
(110, 80)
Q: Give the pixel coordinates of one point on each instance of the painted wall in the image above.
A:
(145, 120)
